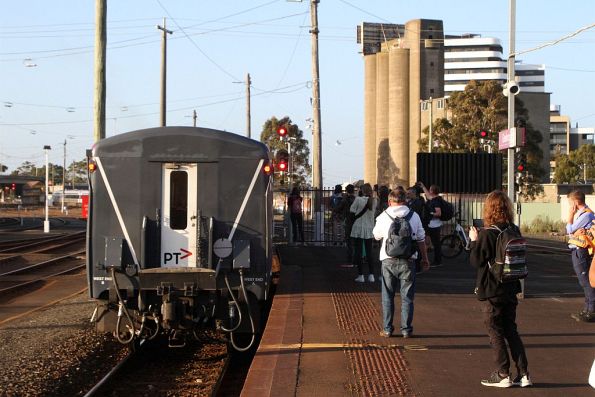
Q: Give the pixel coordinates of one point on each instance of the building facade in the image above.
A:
(472, 57)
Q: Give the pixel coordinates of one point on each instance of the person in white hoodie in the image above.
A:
(397, 271)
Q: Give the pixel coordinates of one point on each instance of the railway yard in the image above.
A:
(48, 346)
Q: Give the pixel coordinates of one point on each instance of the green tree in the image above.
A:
(300, 151)
(566, 171)
(27, 168)
(584, 157)
(483, 107)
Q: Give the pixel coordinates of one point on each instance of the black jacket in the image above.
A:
(482, 251)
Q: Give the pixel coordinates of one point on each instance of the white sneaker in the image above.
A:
(497, 381)
(360, 279)
(523, 381)
(371, 278)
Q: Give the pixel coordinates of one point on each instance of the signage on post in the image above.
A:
(509, 139)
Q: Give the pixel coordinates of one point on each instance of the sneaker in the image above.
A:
(360, 279)
(523, 381)
(408, 335)
(496, 380)
(386, 334)
(585, 316)
(371, 278)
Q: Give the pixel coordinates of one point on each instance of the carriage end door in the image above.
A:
(178, 224)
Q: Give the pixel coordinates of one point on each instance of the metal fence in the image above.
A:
(467, 207)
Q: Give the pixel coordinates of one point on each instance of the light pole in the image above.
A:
(46, 223)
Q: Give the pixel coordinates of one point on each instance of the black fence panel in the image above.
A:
(461, 172)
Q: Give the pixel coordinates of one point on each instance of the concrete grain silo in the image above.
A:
(370, 174)
(398, 115)
(382, 147)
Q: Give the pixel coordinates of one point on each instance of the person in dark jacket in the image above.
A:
(499, 301)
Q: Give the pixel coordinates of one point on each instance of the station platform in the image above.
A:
(322, 335)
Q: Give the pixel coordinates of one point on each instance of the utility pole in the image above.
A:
(248, 124)
(100, 88)
(317, 133)
(194, 116)
(64, 177)
(163, 68)
(510, 78)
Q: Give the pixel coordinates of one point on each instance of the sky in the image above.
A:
(46, 66)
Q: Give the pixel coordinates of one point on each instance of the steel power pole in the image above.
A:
(194, 117)
(248, 117)
(100, 88)
(163, 69)
(510, 77)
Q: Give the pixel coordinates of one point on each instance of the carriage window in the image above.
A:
(178, 200)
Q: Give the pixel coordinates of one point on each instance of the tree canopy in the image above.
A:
(300, 151)
(483, 107)
(577, 166)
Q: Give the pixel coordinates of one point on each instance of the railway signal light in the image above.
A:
(483, 134)
(520, 161)
(13, 186)
(282, 130)
(282, 160)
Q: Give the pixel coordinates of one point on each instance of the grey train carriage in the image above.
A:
(179, 233)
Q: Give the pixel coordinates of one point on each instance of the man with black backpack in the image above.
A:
(403, 238)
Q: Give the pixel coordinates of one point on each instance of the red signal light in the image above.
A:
(520, 168)
(483, 134)
(282, 166)
(13, 186)
(282, 131)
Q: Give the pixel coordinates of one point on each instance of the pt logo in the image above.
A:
(171, 256)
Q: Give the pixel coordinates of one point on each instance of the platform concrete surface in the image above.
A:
(322, 336)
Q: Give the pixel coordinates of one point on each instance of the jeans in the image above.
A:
(397, 271)
(499, 319)
(357, 255)
(581, 262)
(434, 233)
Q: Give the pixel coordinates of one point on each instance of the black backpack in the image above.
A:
(399, 243)
(510, 263)
(447, 210)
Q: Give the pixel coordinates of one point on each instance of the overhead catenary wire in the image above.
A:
(554, 42)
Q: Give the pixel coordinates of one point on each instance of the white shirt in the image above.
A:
(383, 223)
(362, 227)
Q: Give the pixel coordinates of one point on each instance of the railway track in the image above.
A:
(43, 244)
(156, 369)
(26, 275)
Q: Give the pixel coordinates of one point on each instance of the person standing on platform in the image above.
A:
(499, 300)
(294, 203)
(435, 224)
(336, 216)
(348, 218)
(361, 233)
(399, 273)
(580, 216)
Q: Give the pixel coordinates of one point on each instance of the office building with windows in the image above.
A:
(472, 57)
